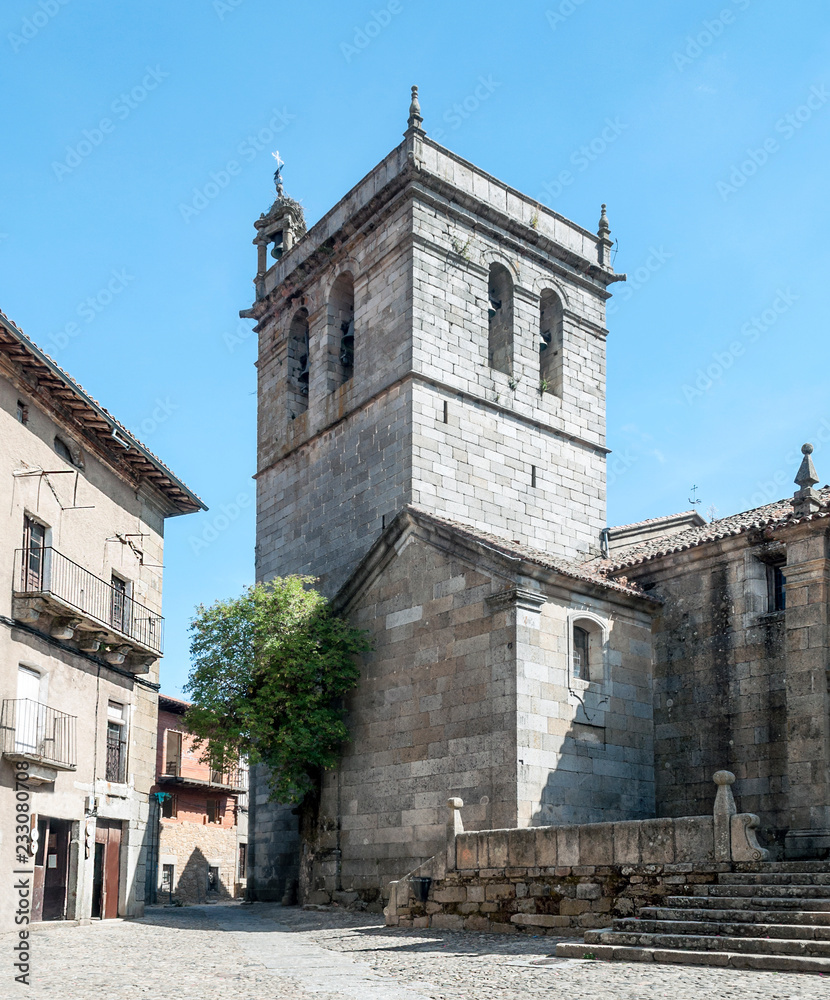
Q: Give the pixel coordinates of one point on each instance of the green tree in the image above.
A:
(269, 671)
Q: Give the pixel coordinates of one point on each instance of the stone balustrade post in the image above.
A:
(725, 809)
(455, 825)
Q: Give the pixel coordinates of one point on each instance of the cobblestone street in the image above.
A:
(266, 951)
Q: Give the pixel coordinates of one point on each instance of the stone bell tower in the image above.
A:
(437, 339)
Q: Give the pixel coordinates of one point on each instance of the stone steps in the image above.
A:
(711, 942)
(722, 928)
(770, 891)
(748, 916)
(771, 867)
(680, 956)
(749, 902)
(767, 916)
(774, 878)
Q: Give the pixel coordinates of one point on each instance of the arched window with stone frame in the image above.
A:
(341, 354)
(587, 647)
(298, 364)
(500, 319)
(551, 369)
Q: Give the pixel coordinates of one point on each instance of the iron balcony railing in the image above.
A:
(116, 756)
(44, 570)
(29, 728)
(234, 779)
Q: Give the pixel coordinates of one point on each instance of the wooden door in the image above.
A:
(40, 866)
(51, 877)
(173, 753)
(29, 714)
(118, 607)
(34, 539)
(108, 834)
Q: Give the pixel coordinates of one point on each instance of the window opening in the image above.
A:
(299, 371)
(550, 344)
(581, 646)
(500, 319)
(119, 603)
(777, 582)
(173, 759)
(278, 248)
(167, 877)
(342, 330)
(22, 412)
(62, 448)
(34, 543)
(30, 715)
(116, 742)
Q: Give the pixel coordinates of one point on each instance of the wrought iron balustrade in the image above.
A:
(34, 730)
(43, 571)
(116, 757)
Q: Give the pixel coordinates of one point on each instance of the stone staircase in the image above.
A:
(765, 916)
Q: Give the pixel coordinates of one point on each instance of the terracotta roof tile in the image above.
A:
(773, 515)
(586, 571)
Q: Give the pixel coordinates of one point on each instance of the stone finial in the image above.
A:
(604, 240)
(415, 120)
(806, 475)
(604, 230)
(806, 500)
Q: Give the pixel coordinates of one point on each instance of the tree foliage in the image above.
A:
(269, 670)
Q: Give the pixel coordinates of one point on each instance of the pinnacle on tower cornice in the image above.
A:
(603, 240)
(604, 230)
(806, 500)
(415, 119)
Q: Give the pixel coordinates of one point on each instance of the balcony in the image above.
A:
(233, 781)
(41, 736)
(71, 603)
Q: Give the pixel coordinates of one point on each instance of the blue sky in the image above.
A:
(703, 125)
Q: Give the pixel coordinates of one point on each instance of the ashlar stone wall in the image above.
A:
(466, 693)
(741, 685)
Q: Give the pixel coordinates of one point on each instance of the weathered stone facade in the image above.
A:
(432, 448)
(453, 286)
(740, 670)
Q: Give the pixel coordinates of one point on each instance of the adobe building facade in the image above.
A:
(83, 509)
(431, 446)
(198, 842)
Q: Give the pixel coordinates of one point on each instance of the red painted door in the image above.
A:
(108, 835)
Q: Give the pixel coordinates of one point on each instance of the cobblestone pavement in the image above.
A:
(266, 952)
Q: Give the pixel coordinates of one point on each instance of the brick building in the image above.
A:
(431, 445)
(199, 818)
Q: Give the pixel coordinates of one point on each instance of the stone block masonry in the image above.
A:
(380, 392)
(563, 899)
(422, 416)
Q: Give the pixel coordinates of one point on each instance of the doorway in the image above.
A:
(51, 879)
(106, 872)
